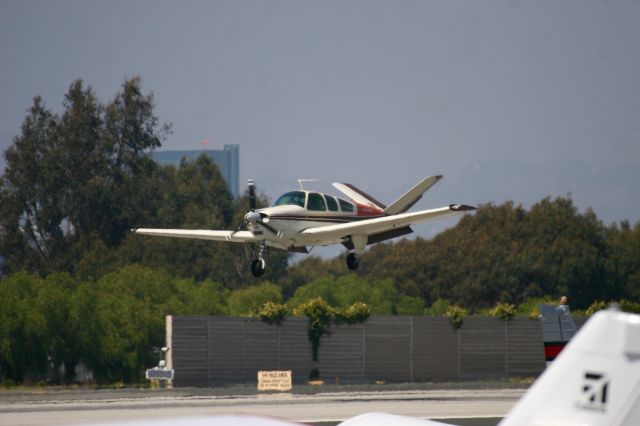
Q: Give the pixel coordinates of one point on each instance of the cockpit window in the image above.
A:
(345, 205)
(293, 198)
(316, 202)
(331, 203)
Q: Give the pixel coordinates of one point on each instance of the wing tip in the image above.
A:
(462, 207)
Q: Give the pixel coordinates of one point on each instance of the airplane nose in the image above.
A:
(252, 217)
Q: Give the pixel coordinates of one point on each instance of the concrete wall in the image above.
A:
(207, 351)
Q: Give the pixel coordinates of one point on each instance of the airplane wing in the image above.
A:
(200, 234)
(380, 224)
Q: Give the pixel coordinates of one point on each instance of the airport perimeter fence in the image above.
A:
(209, 351)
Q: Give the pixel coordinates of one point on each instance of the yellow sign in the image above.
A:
(274, 380)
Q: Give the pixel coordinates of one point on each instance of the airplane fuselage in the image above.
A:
(297, 211)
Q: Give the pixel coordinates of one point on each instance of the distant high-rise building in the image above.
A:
(227, 160)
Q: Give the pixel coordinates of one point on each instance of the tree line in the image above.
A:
(77, 287)
(52, 325)
(55, 326)
(505, 253)
(78, 181)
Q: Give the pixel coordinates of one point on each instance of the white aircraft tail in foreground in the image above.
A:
(303, 219)
(595, 381)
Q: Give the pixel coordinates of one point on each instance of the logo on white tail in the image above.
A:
(595, 392)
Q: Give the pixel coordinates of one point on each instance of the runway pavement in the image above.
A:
(60, 407)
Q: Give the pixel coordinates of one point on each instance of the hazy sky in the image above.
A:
(510, 100)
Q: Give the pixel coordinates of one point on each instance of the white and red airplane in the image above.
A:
(302, 219)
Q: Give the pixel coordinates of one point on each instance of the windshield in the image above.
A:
(294, 198)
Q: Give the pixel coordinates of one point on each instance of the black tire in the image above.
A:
(352, 261)
(258, 267)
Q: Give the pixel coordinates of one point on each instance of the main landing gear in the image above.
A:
(359, 243)
(259, 265)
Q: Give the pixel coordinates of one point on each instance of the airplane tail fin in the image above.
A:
(594, 381)
(412, 196)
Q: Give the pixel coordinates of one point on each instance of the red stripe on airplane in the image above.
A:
(364, 210)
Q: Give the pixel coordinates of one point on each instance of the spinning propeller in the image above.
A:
(254, 217)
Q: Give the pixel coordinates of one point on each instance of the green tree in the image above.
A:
(623, 263)
(31, 210)
(130, 309)
(249, 300)
(23, 329)
(438, 308)
(502, 254)
(324, 288)
(309, 269)
(77, 176)
(194, 195)
(37, 335)
(199, 298)
(407, 305)
(54, 300)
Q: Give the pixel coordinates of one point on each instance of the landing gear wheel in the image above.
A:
(258, 267)
(352, 261)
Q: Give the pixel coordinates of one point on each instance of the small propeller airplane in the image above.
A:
(302, 219)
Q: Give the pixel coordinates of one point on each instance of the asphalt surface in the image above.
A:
(464, 404)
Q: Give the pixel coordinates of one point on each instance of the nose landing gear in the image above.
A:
(352, 261)
(259, 265)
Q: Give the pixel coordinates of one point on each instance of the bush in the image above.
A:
(357, 312)
(504, 311)
(273, 313)
(456, 316)
(320, 315)
(596, 306)
(624, 305)
(629, 306)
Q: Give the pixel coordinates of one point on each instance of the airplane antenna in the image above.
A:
(301, 181)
